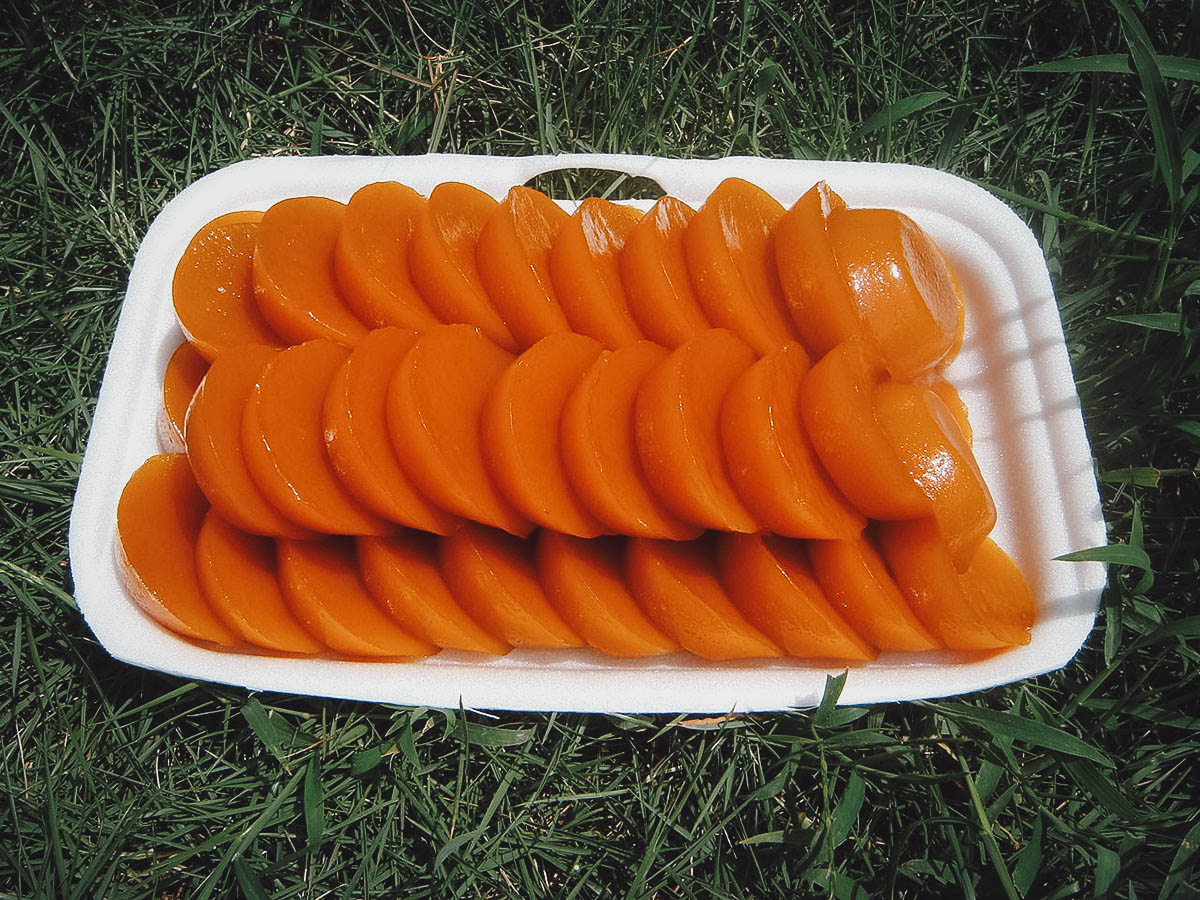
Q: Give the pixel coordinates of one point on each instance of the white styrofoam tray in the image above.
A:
(1013, 373)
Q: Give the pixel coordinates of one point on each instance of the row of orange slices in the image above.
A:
(593, 429)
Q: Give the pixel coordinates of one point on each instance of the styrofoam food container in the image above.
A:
(1013, 373)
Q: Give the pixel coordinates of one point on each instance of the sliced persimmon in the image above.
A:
(294, 285)
(213, 287)
(926, 438)
(441, 259)
(354, 420)
(819, 299)
(901, 285)
(513, 257)
(586, 274)
(185, 370)
(838, 411)
(678, 420)
(158, 520)
(519, 432)
(769, 579)
(654, 272)
(599, 446)
(433, 411)
(858, 585)
(994, 584)
(370, 257)
(214, 443)
(401, 573)
(676, 584)
(585, 582)
(919, 560)
(492, 576)
(730, 252)
(770, 458)
(237, 576)
(322, 587)
(954, 403)
(284, 445)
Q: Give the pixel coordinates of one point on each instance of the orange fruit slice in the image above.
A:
(354, 417)
(858, 585)
(678, 416)
(322, 587)
(771, 461)
(292, 267)
(654, 271)
(441, 259)
(370, 257)
(237, 575)
(770, 581)
(513, 258)
(401, 573)
(213, 287)
(434, 406)
(284, 445)
(158, 521)
(185, 370)
(492, 576)
(599, 446)
(730, 252)
(586, 274)
(519, 432)
(214, 444)
(676, 585)
(585, 582)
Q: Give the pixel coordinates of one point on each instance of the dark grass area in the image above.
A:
(121, 783)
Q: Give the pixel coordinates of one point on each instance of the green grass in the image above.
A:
(120, 783)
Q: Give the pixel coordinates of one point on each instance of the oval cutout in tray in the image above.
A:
(1013, 373)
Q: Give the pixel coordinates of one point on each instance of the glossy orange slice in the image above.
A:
(837, 407)
(158, 521)
(214, 443)
(586, 274)
(322, 587)
(185, 370)
(858, 585)
(599, 446)
(960, 619)
(213, 287)
(654, 272)
(513, 257)
(370, 257)
(770, 458)
(770, 581)
(434, 406)
(441, 259)
(926, 438)
(730, 252)
(492, 576)
(284, 445)
(676, 585)
(354, 417)
(585, 582)
(294, 286)
(519, 432)
(678, 416)
(822, 307)
(401, 573)
(901, 285)
(237, 575)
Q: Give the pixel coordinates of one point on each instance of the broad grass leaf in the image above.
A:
(314, 804)
(1160, 321)
(894, 112)
(1028, 731)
